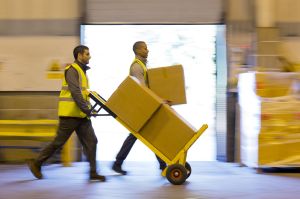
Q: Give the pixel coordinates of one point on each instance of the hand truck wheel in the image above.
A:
(188, 168)
(176, 174)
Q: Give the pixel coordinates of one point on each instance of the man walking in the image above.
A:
(138, 69)
(74, 111)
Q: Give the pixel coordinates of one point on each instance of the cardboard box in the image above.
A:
(267, 34)
(274, 84)
(167, 131)
(133, 103)
(279, 149)
(267, 63)
(269, 121)
(168, 83)
(268, 48)
(280, 114)
(270, 148)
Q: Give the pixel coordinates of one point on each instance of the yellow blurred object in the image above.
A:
(55, 65)
(273, 84)
(54, 75)
(296, 67)
(38, 130)
(55, 70)
(279, 149)
(270, 119)
(289, 66)
(280, 113)
(67, 154)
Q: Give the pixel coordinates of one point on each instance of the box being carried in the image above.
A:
(168, 131)
(133, 103)
(155, 124)
(168, 83)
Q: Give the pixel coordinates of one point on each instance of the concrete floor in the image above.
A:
(208, 180)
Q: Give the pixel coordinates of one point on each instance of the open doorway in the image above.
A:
(193, 46)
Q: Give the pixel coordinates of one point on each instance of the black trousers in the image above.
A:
(125, 149)
(85, 132)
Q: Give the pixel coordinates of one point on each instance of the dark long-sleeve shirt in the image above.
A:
(72, 78)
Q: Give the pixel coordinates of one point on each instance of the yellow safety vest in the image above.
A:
(67, 106)
(144, 69)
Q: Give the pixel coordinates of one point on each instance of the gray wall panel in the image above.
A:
(154, 11)
(50, 27)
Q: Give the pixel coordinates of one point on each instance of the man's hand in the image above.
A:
(93, 114)
(167, 102)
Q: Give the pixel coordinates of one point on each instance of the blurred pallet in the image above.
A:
(23, 139)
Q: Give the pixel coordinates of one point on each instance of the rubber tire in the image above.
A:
(188, 168)
(176, 174)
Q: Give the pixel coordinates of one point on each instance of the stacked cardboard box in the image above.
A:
(133, 103)
(144, 112)
(274, 84)
(167, 131)
(267, 49)
(270, 125)
(168, 83)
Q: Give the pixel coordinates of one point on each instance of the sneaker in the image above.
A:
(97, 177)
(35, 169)
(118, 169)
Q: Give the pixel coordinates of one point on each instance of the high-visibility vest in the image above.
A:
(144, 69)
(67, 106)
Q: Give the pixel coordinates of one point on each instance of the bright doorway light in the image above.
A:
(193, 46)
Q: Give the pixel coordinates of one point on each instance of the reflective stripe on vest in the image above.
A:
(67, 106)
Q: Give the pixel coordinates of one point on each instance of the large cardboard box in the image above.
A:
(167, 131)
(267, 34)
(133, 103)
(267, 48)
(274, 84)
(269, 121)
(168, 83)
(279, 149)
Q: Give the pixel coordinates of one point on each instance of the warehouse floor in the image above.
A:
(208, 180)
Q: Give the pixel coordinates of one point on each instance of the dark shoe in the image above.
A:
(97, 177)
(35, 169)
(162, 167)
(118, 169)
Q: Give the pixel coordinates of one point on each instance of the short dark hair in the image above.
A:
(79, 49)
(137, 45)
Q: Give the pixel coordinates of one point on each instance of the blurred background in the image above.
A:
(239, 56)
